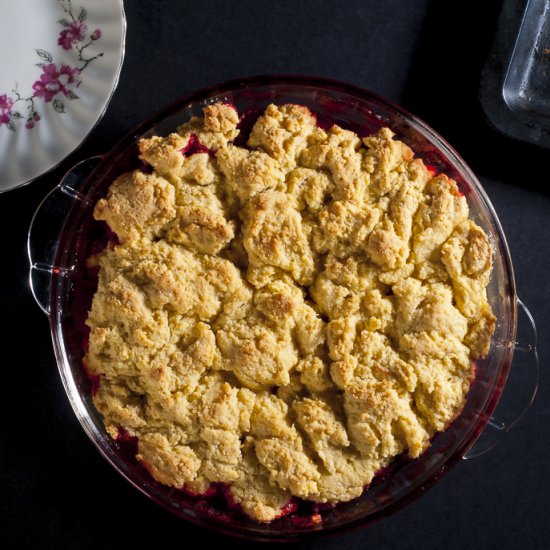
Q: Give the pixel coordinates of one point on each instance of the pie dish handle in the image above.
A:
(521, 387)
(45, 229)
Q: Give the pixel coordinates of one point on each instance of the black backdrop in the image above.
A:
(55, 489)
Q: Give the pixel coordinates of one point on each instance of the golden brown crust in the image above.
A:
(285, 318)
(164, 154)
(216, 129)
(282, 133)
(275, 239)
(137, 205)
(248, 173)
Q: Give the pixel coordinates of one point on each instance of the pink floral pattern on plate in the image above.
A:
(58, 81)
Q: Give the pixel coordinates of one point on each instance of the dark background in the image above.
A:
(55, 489)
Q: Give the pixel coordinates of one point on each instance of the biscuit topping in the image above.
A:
(287, 317)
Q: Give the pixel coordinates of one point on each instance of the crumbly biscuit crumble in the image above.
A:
(286, 317)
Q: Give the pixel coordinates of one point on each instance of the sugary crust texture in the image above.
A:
(288, 317)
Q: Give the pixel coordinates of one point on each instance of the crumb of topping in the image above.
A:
(137, 206)
(249, 173)
(282, 132)
(215, 129)
(163, 154)
(274, 237)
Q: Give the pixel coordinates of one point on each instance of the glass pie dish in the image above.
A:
(63, 234)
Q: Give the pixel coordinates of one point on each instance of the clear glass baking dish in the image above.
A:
(515, 82)
(527, 81)
(63, 235)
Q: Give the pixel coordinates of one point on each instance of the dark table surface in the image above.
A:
(55, 489)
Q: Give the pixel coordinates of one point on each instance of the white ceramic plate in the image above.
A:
(59, 66)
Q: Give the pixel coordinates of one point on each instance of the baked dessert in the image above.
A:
(287, 315)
